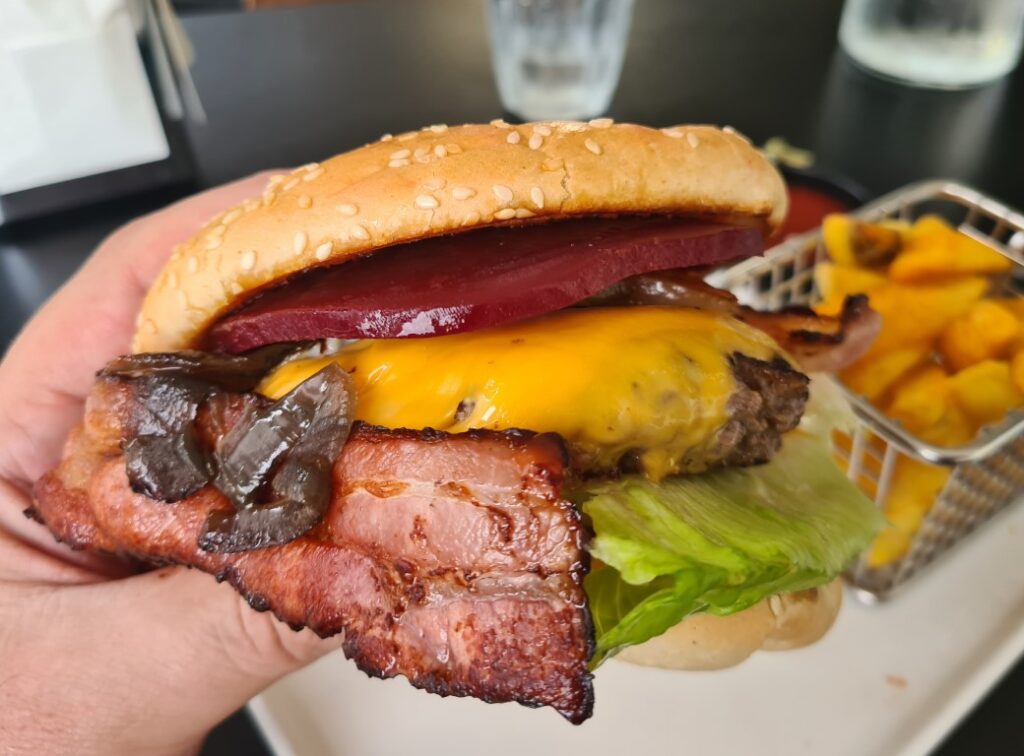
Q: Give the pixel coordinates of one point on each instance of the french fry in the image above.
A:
(1017, 370)
(918, 314)
(1014, 305)
(912, 493)
(947, 360)
(920, 400)
(873, 375)
(854, 243)
(836, 282)
(889, 545)
(984, 332)
(837, 232)
(934, 250)
(986, 391)
(953, 428)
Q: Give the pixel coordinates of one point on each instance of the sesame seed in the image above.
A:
(593, 146)
(422, 154)
(738, 135)
(426, 202)
(522, 212)
(505, 214)
(359, 232)
(502, 192)
(324, 251)
(434, 183)
(347, 209)
(693, 139)
(268, 199)
(513, 137)
(236, 288)
(406, 136)
(536, 140)
(537, 195)
(299, 242)
(440, 150)
(218, 230)
(172, 280)
(471, 218)
(453, 149)
(401, 163)
(291, 184)
(182, 299)
(386, 137)
(313, 174)
(247, 260)
(305, 201)
(192, 265)
(541, 129)
(570, 127)
(399, 154)
(251, 205)
(212, 242)
(150, 327)
(276, 179)
(500, 123)
(439, 128)
(775, 605)
(674, 133)
(463, 192)
(601, 123)
(308, 167)
(232, 216)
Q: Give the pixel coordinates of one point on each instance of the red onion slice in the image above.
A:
(476, 279)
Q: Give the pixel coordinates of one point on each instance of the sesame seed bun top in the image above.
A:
(446, 179)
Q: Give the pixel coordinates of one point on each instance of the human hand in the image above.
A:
(93, 658)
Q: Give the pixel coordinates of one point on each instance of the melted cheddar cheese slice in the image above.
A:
(649, 381)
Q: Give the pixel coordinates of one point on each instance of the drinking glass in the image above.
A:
(946, 44)
(558, 59)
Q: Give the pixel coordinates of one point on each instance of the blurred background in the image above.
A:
(112, 108)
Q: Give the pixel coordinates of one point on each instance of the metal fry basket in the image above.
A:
(987, 473)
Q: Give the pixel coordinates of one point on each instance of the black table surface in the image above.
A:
(286, 87)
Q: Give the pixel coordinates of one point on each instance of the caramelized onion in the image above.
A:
(291, 444)
(166, 468)
(229, 372)
(273, 465)
(279, 521)
(163, 458)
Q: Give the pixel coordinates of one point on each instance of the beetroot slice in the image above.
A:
(475, 279)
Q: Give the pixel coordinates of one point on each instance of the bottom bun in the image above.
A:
(704, 641)
(803, 617)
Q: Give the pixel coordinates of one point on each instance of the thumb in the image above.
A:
(157, 660)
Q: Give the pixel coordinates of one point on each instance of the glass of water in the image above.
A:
(947, 44)
(558, 59)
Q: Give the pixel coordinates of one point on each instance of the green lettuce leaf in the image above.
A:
(720, 541)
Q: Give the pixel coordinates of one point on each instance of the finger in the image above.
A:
(30, 553)
(51, 366)
(170, 655)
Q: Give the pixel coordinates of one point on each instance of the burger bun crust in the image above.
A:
(778, 623)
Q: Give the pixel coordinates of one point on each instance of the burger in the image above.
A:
(464, 396)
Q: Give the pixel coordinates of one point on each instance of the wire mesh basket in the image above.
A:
(985, 474)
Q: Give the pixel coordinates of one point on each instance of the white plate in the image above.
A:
(889, 679)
